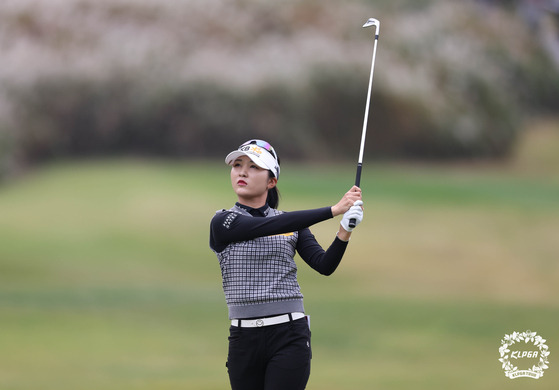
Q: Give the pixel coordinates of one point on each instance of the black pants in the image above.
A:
(276, 357)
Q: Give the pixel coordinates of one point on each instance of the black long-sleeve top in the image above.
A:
(228, 227)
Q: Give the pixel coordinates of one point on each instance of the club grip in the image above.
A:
(352, 222)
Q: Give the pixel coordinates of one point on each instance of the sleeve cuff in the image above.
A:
(340, 240)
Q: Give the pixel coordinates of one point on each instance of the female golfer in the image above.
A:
(269, 342)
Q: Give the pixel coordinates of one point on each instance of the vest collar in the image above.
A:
(259, 212)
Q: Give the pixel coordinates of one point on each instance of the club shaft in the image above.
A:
(367, 107)
(352, 221)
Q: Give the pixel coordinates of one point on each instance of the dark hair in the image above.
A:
(273, 193)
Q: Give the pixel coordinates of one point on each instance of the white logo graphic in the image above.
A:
(536, 350)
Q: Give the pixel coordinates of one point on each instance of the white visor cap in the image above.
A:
(260, 152)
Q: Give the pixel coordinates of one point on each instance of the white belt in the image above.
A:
(259, 322)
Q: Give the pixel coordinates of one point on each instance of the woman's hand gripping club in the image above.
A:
(351, 206)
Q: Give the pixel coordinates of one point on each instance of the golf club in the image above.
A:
(376, 23)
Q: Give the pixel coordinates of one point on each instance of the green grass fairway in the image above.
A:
(107, 281)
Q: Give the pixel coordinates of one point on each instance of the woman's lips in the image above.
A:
(241, 183)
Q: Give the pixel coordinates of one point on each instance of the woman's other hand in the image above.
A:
(349, 198)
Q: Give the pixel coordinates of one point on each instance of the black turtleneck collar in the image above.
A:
(259, 212)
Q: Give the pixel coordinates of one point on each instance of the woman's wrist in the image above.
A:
(343, 234)
(333, 209)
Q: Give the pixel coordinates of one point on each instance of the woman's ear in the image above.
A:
(272, 182)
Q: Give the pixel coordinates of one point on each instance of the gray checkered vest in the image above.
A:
(260, 275)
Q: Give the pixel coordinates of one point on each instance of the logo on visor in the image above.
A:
(252, 149)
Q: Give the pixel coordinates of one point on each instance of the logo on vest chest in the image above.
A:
(283, 234)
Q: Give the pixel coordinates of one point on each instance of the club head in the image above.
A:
(372, 22)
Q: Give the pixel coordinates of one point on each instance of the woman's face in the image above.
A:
(250, 182)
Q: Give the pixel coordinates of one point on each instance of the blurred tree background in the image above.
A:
(453, 79)
(106, 278)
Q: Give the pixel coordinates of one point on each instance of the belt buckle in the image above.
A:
(259, 323)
